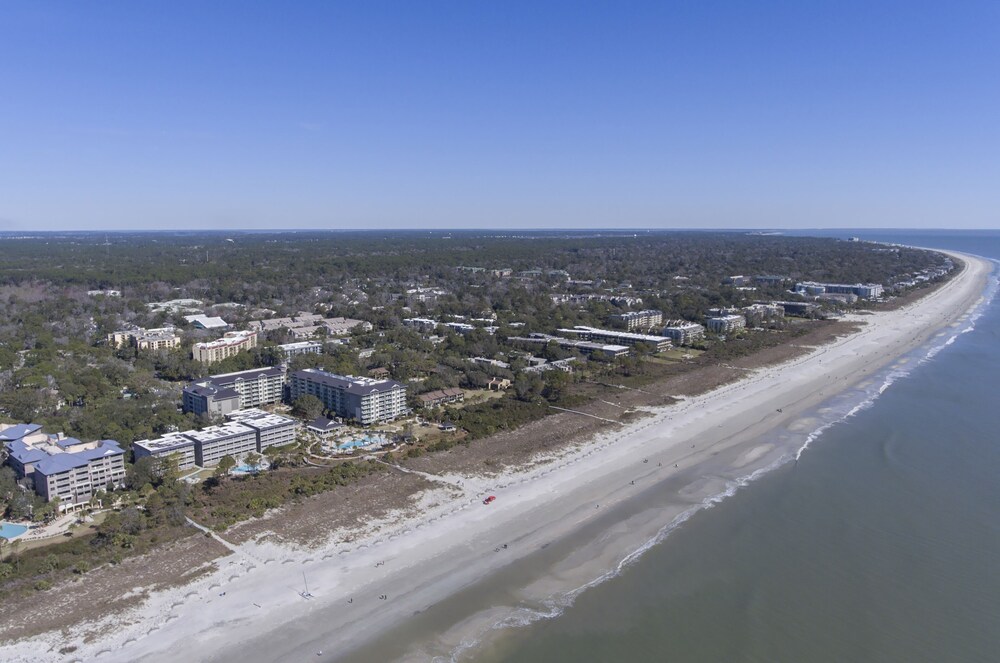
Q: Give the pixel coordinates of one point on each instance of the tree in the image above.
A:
(142, 472)
(252, 461)
(19, 507)
(307, 406)
(225, 465)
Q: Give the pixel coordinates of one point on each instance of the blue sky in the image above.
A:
(123, 115)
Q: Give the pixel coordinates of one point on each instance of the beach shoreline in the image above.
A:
(257, 608)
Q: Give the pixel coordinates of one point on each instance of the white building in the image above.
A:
(202, 321)
(608, 350)
(301, 348)
(178, 445)
(273, 430)
(365, 400)
(227, 346)
(682, 332)
(639, 319)
(862, 290)
(724, 324)
(661, 343)
(162, 338)
(230, 439)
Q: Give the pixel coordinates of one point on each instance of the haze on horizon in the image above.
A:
(123, 115)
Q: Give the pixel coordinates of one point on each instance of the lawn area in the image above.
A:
(473, 396)
(677, 354)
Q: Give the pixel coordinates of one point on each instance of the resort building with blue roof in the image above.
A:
(63, 467)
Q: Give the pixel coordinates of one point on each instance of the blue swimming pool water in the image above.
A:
(365, 441)
(245, 469)
(11, 531)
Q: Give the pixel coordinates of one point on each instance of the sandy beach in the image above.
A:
(267, 602)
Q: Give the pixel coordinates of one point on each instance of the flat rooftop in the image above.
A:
(165, 443)
(220, 432)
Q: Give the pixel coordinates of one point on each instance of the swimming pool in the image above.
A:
(11, 531)
(246, 469)
(366, 441)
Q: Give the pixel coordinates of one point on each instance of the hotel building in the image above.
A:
(365, 400)
(661, 343)
(682, 332)
(724, 324)
(163, 338)
(639, 319)
(255, 387)
(172, 444)
(227, 346)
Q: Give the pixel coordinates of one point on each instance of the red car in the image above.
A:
(489, 499)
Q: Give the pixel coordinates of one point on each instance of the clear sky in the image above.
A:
(504, 114)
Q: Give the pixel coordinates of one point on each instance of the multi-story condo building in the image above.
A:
(178, 445)
(273, 430)
(862, 290)
(163, 338)
(586, 347)
(75, 475)
(229, 439)
(639, 319)
(290, 350)
(257, 386)
(365, 400)
(227, 346)
(205, 448)
(682, 332)
(661, 343)
(305, 325)
(724, 324)
(758, 314)
(207, 398)
(24, 444)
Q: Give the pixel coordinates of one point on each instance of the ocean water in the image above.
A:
(881, 542)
